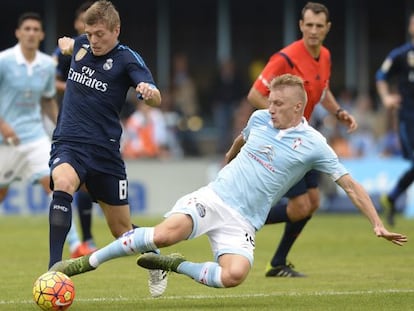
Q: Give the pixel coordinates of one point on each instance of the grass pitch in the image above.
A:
(348, 268)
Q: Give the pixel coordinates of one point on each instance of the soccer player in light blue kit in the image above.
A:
(275, 150)
(27, 89)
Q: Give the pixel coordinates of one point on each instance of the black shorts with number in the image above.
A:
(101, 170)
(310, 180)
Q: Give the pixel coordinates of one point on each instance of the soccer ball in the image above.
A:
(53, 290)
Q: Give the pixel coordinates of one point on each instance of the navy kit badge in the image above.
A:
(81, 54)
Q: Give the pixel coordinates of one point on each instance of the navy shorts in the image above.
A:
(310, 180)
(101, 170)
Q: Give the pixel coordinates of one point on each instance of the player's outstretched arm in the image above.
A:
(363, 202)
(234, 149)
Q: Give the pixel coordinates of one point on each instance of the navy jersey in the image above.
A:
(95, 93)
(399, 65)
(63, 64)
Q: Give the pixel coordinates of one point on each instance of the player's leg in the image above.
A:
(230, 271)
(84, 204)
(139, 240)
(302, 203)
(109, 188)
(278, 265)
(387, 201)
(231, 238)
(13, 166)
(65, 183)
(72, 237)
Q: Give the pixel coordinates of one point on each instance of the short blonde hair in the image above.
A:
(290, 80)
(104, 12)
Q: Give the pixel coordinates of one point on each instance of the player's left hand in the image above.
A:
(395, 238)
(346, 118)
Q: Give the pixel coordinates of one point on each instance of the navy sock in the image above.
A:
(84, 203)
(278, 213)
(404, 182)
(292, 231)
(60, 220)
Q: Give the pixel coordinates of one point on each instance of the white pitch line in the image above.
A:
(195, 297)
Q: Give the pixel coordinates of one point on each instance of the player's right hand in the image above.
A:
(391, 100)
(66, 45)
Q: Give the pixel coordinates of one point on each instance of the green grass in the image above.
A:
(348, 269)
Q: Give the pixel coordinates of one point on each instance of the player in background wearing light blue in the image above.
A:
(27, 91)
(274, 151)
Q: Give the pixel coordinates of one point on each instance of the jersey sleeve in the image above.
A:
(388, 66)
(137, 69)
(327, 161)
(276, 66)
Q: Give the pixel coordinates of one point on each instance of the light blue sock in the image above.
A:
(73, 238)
(138, 240)
(207, 273)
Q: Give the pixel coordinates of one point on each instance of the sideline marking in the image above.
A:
(276, 294)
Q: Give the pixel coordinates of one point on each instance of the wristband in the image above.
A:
(338, 112)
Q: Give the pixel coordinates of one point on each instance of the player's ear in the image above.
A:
(328, 27)
(117, 30)
(301, 25)
(299, 107)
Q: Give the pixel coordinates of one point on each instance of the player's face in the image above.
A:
(101, 39)
(284, 108)
(30, 34)
(314, 28)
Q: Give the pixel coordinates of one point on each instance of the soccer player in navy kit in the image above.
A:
(400, 64)
(82, 199)
(86, 140)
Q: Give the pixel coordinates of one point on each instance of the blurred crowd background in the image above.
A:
(206, 54)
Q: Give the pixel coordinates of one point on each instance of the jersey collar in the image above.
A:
(20, 58)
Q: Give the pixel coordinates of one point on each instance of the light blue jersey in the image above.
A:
(270, 163)
(22, 86)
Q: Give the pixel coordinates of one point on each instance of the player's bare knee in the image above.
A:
(299, 211)
(163, 239)
(63, 184)
(313, 208)
(232, 278)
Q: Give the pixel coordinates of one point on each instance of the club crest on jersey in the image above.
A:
(296, 143)
(108, 64)
(268, 151)
(201, 210)
(80, 54)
